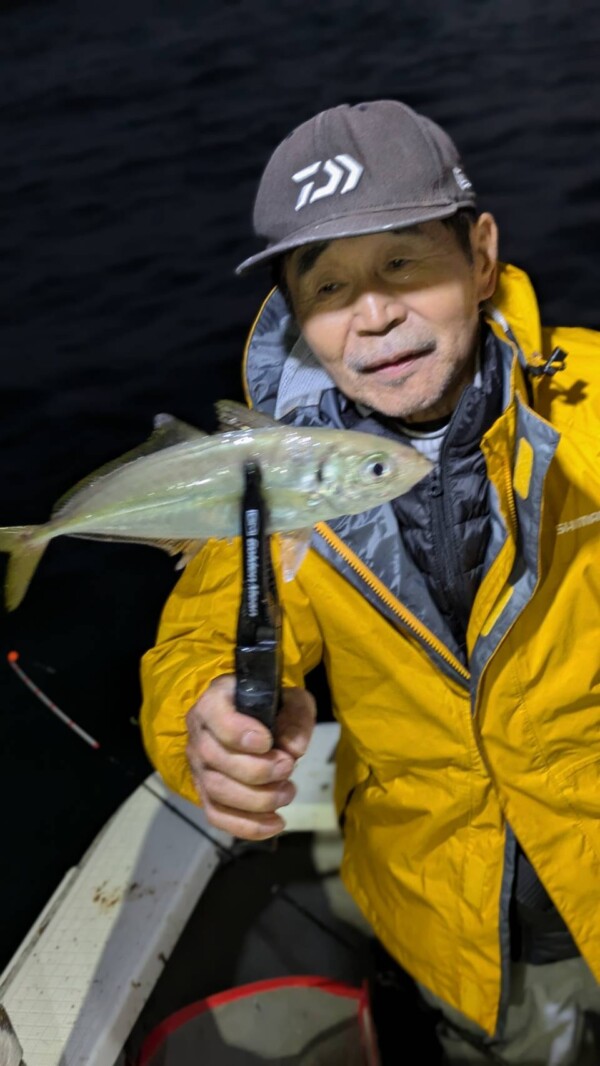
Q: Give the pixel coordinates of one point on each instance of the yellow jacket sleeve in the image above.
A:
(196, 644)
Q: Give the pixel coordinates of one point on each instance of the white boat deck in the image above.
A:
(79, 981)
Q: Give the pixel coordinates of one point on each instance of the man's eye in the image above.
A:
(398, 264)
(327, 288)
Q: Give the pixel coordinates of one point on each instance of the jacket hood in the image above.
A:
(281, 374)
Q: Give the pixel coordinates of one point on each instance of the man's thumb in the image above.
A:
(295, 722)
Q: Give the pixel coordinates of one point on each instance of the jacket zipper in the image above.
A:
(510, 499)
(407, 620)
(449, 574)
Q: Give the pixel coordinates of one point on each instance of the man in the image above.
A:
(459, 624)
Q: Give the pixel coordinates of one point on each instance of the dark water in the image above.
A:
(132, 136)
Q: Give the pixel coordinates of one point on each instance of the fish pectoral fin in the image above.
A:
(293, 548)
(188, 550)
(232, 415)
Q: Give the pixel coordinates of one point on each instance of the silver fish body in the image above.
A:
(193, 490)
(190, 490)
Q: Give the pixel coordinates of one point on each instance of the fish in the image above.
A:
(183, 486)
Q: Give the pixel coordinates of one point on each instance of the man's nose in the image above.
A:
(377, 311)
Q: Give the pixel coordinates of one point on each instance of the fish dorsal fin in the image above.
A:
(234, 415)
(167, 432)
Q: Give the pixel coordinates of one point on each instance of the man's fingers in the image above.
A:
(242, 824)
(237, 732)
(206, 752)
(256, 799)
(295, 722)
(216, 712)
(240, 772)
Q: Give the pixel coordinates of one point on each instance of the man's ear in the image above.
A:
(484, 244)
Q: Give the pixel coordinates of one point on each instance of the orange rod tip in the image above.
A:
(12, 656)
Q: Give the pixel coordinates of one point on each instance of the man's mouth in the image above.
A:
(397, 359)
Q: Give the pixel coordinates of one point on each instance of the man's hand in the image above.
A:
(241, 773)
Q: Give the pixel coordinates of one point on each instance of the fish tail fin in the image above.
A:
(23, 561)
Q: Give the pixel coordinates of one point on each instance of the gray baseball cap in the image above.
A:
(353, 170)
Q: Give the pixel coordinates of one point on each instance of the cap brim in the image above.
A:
(356, 225)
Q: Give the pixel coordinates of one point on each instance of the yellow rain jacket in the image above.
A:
(439, 766)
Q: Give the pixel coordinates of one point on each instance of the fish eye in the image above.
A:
(377, 466)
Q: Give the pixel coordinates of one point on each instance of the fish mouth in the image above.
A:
(408, 355)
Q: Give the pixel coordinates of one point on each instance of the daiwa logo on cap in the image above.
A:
(461, 179)
(343, 166)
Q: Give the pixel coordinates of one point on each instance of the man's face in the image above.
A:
(393, 317)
